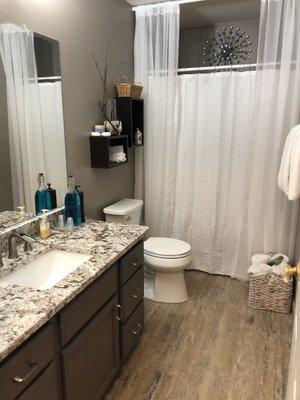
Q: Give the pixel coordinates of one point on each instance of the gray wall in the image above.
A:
(83, 27)
(193, 40)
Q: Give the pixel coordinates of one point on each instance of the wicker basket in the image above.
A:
(270, 292)
(127, 89)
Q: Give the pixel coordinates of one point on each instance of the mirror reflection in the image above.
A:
(33, 173)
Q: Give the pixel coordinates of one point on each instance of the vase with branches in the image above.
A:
(107, 102)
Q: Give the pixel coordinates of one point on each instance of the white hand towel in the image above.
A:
(260, 258)
(289, 173)
(259, 269)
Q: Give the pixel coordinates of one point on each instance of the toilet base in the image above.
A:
(170, 288)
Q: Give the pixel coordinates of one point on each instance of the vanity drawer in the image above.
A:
(46, 387)
(132, 330)
(76, 314)
(131, 262)
(132, 293)
(23, 367)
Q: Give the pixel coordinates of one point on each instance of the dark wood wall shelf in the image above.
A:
(99, 147)
(131, 112)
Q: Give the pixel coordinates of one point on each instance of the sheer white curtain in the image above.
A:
(156, 61)
(269, 222)
(54, 136)
(25, 128)
(28, 130)
(211, 166)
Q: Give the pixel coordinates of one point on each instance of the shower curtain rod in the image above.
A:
(158, 3)
(220, 67)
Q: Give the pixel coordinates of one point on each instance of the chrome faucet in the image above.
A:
(12, 243)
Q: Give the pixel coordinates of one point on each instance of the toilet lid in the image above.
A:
(166, 247)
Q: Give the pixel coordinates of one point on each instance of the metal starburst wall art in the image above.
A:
(228, 46)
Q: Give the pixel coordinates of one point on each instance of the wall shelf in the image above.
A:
(131, 112)
(99, 147)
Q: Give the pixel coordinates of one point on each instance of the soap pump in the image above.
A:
(44, 225)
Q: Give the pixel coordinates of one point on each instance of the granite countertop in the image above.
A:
(9, 218)
(24, 310)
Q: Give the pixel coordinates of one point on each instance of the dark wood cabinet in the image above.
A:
(91, 360)
(132, 293)
(77, 354)
(77, 313)
(46, 387)
(23, 366)
(131, 262)
(132, 330)
(131, 112)
(100, 150)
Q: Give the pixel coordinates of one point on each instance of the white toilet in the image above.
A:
(165, 258)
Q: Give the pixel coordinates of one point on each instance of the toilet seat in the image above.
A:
(166, 248)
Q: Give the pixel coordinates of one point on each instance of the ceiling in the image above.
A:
(208, 12)
(211, 12)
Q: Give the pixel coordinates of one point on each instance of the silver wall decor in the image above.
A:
(228, 46)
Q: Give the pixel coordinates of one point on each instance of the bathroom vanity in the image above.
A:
(68, 342)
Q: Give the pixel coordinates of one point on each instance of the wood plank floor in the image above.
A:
(212, 347)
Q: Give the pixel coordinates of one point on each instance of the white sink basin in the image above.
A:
(46, 270)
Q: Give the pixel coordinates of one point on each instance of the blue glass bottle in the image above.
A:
(42, 197)
(72, 202)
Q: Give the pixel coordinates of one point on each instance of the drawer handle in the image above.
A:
(136, 331)
(136, 294)
(119, 312)
(136, 262)
(20, 379)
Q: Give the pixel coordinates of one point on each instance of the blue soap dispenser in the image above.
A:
(42, 197)
(72, 202)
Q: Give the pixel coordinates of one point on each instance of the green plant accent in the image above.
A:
(275, 261)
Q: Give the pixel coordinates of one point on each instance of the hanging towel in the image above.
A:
(289, 173)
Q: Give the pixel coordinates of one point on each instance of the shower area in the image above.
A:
(221, 83)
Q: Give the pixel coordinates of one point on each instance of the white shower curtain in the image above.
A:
(156, 61)
(28, 129)
(219, 190)
(211, 166)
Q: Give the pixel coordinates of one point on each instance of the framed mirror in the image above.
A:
(32, 138)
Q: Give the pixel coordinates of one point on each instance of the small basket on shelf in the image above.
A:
(127, 89)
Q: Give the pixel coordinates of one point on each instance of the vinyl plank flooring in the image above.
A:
(213, 347)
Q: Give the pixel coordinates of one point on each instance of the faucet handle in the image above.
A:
(27, 242)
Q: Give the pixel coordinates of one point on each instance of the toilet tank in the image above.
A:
(126, 211)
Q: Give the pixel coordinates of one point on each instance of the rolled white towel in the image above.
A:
(117, 157)
(260, 258)
(279, 269)
(260, 269)
(116, 149)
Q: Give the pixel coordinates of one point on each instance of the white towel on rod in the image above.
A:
(289, 173)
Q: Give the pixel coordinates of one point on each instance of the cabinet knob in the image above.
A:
(136, 294)
(136, 331)
(135, 262)
(19, 379)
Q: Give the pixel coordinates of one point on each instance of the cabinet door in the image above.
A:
(47, 386)
(91, 360)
